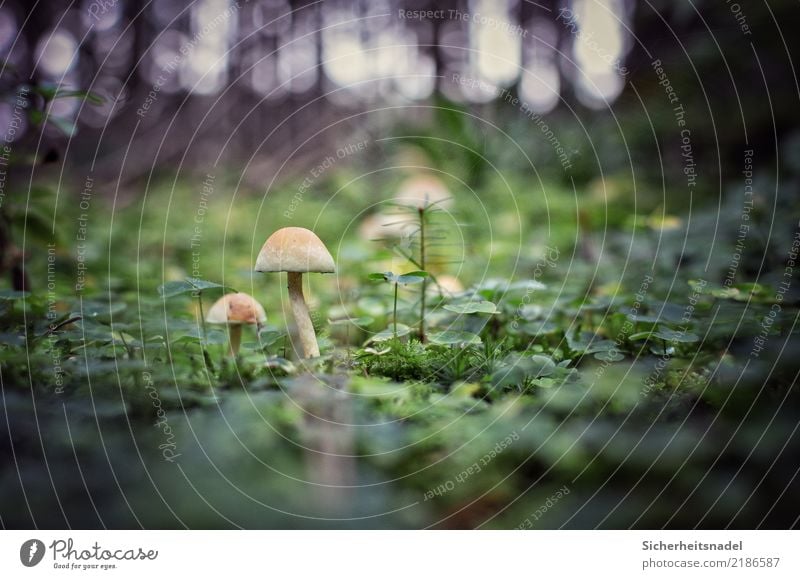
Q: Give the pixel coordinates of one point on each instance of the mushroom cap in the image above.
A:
(384, 226)
(236, 308)
(449, 285)
(423, 189)
(295, 249)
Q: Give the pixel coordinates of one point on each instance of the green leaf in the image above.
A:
(739, 292)
(539, 328)
(174, 288)
(187, 339)
(216, 337)
(385, 276)
(9, 295)
(52, 92)
(667, 335)
(725, 293)
(516, 368)
(101, 312)
(481, 307)
(202, 285)
(12, 339)
(453, 337)
(269, 337)
(676, 336)
(592, 307)
(540, 366)
(529, 285)
(600, 346)
(544, 382)
(276, 362)
(609, 356)
(660, 350)
(389, 333)
(91, 97)
(125, 339)
(644, 318)
(360, 321)
(374, 352)
(412, 277)
(508, 375)
(587, 343)
(189, 285)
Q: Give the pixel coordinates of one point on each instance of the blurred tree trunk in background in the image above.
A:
(727, 80)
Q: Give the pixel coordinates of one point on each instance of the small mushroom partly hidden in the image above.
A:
(446, 285)
(424, 189)
(384, 226)
(234, 310)
(296, 251)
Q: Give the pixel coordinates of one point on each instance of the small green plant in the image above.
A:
(665, 336)
(409, 278)
(195, 287)
(395, 361)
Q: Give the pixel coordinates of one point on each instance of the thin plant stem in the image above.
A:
(131, 354)
(424, 284)
(395, 311)
(203, 342)
(202, 315)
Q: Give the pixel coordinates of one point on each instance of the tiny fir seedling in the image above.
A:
(420, 241)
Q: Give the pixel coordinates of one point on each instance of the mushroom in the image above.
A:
(446, 285)
(384, 226)
(424, 189)
(296, 251)
(234, 310)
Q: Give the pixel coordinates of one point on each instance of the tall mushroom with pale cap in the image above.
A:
(234, 310)
(296, 251)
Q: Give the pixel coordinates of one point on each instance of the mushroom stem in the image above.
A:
(301, 316)
(235, 335)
